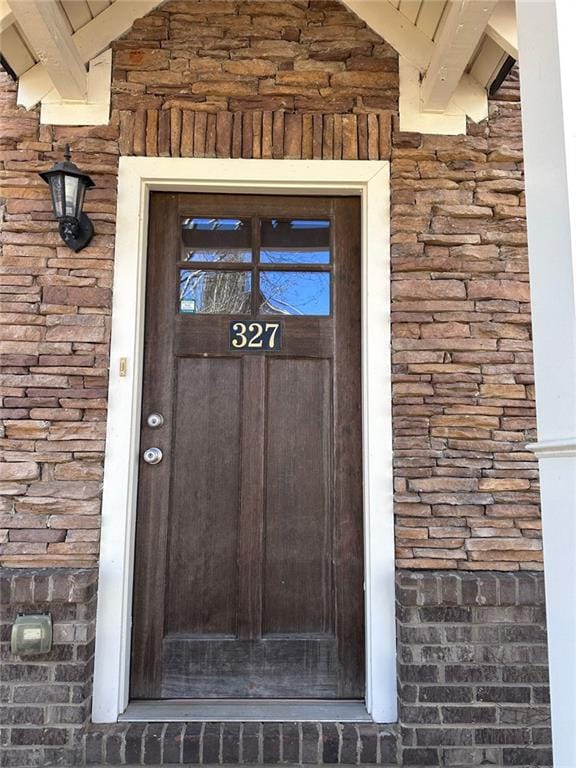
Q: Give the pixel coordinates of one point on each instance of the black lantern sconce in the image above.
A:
(68, 185)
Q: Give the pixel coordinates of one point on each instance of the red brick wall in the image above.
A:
(291, 79)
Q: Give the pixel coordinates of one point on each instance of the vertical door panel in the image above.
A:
(298, 543)
(202, 594)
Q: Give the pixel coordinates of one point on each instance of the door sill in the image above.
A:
(244, 710)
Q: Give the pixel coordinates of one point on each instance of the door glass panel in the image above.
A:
(216, 239)
(297, 241)
(209, 292)
(294, 293)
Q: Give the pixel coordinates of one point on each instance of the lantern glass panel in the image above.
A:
(80, 198)
(71, 195)
(57, 190)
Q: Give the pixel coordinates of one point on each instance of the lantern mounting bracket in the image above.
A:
(76, 233)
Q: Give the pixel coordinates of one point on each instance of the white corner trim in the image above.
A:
(33, 85)
(412, 118)
(95, 110)
(554, 449)
(471, 98)
(137, 177)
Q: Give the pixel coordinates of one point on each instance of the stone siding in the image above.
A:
(467, 491)
(282, 80)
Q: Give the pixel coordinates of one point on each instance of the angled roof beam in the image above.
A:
(90, 40)
(502, 27)
(464, 24)
(49, 34)
(396, 29)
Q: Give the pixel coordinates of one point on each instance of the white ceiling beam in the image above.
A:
(429, 17)
(90, 40)
(47, 30)
(396, 29)
(97, 6)
(6, 16)
(502, 27)
(77, 12)
(410, 9)
(15, 51)
(464, 25)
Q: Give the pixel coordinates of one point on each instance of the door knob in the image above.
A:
(152, 456)
(155, 420)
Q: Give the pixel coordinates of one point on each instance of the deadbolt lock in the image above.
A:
(152, 456)
(155, 420)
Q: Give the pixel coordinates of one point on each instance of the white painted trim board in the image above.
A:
(137, 178)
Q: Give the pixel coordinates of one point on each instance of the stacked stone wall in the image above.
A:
(467, 491)
(280, 80)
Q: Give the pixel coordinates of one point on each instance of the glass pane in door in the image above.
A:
(214, 292)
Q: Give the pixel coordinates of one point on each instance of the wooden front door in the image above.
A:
(249, 550)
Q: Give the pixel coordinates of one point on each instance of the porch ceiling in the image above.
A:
(451, 53)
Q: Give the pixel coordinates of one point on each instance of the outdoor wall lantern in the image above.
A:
(68, 185)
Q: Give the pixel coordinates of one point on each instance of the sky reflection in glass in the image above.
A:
(295, 293)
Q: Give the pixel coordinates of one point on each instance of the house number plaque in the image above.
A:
(255, 336)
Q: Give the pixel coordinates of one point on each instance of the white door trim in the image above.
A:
(137, 178)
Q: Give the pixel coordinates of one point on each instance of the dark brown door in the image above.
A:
(249, 553)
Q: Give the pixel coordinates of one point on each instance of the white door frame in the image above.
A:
(137, 178)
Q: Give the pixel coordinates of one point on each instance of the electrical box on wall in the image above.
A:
(31, 635)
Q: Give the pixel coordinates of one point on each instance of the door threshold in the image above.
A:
(244, 710)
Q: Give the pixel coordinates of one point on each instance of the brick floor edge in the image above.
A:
(472, 686)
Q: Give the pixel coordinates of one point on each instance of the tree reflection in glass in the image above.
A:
(295, 293)
(213, 292)
(291, 276)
